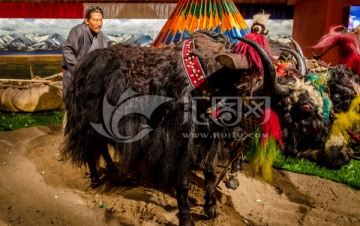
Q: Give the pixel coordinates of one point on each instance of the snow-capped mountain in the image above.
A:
(53, 42)
(7, 38)
(139, 39)
(31, 42)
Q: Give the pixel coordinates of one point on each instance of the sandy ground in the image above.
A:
(37, 188)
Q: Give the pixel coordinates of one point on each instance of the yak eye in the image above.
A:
(336, 97)
(306, 107)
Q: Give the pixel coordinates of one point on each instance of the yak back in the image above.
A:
(108, 73)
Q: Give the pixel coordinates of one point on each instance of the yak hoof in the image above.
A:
(95, 182)
(111, 168)
(185, 220)
(232, 183)
(187, 223)
(211, 211)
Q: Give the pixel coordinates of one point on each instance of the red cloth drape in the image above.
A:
(41, 10)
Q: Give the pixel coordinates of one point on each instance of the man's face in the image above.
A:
(95, 22)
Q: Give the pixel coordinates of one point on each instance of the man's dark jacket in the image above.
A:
(79, 42)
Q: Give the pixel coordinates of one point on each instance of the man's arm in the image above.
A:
(105, 43)
(71, 48)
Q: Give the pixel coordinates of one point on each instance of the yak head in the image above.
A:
(305, 112)
(310, 125)
(339, 87)
(305, 120)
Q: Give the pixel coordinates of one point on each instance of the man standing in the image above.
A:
(82, 39)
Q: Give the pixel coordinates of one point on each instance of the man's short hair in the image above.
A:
(92, 9)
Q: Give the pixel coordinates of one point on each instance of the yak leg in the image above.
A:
(110, 166)
(182, 190)
(97, 148)
(210, 207)
(237, 153)
(233, 182)
(94, 175)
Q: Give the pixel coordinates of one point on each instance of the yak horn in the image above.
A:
(297, 47)
(301, 66)
(270, 79)
(233, 61)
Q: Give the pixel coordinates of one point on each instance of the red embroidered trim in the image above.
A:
(194, 70)
(197, 77)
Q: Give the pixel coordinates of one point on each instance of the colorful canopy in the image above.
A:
(190, 15)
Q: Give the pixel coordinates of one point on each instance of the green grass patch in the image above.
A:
(12, 121)
(349, 174)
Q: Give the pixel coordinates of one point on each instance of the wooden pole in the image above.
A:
(32, 73)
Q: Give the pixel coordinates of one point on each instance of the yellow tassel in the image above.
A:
(262, 158)
(346, 120)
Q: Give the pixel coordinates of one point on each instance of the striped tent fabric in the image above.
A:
(190, 15)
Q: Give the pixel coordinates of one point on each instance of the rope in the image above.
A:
(240, 152)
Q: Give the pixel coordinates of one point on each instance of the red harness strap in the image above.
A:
(197, 77)
(194, 70)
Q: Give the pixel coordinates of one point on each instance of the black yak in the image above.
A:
(306, 116)
(333, 90)
(114, 88)
(339, 88)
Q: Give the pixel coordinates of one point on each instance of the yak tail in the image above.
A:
(83, 104)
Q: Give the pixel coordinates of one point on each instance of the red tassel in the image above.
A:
(271, 128)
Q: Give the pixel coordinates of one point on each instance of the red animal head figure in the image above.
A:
(347, 43)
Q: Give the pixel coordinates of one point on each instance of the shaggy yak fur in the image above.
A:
(344, 89)
(106, 74)
(344, 86)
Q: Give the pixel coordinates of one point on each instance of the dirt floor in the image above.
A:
(37, 188)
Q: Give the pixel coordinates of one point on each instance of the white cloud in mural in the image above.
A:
(132, 26)
(8, 26)
(38, 26)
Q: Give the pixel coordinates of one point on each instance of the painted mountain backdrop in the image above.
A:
(53, 42)
(48, 35)
(43, 43)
